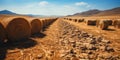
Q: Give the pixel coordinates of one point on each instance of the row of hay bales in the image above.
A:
(101, 22)
(74, 19)
(15, 28)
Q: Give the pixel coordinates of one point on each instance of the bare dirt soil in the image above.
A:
(111, 33)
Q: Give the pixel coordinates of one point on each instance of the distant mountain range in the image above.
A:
(12, 13)
(96, 12)
(6, 12)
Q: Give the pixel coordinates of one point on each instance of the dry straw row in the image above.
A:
(15, 28)
(101, 22)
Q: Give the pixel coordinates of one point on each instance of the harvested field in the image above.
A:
(63, 40)
(59, 30)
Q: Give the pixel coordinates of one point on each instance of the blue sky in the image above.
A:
(56, 7)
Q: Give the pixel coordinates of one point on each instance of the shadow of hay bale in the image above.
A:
(3, 51)
(110, 29)
(23, 44)
(38, 35)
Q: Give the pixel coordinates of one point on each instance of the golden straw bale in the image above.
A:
(116, 24)
(91, 22)
(36, 25)
(17, 28)
(103, 24)
(44, 23)
(47, 21)
(110, 22)
(80, 20)
(75, 20)
(41, 23)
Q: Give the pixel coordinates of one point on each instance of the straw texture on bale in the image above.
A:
(103, 24)
(2, 33)
(44, 23)
(80, 20)
(41, 23)
(91, 22)
(110, 22)
(116, 24)
(75, 20)
(17, 28)
(36, 26)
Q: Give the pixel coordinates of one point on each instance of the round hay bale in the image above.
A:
(103, 24)
(2, 33)
(117, 24)
(36, 25)
(80, 20)
(91, 22)
(17, 28)
(114, 22)
(110, 22)
(41, 23)
(75, 20)
(44, 23)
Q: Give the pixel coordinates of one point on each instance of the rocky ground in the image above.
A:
(81, 45)
(61, 41)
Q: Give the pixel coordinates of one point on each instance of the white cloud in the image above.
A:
(43, 3)
(82, 4)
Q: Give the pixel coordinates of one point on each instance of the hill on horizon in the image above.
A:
(96, 12)
(7, 12)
